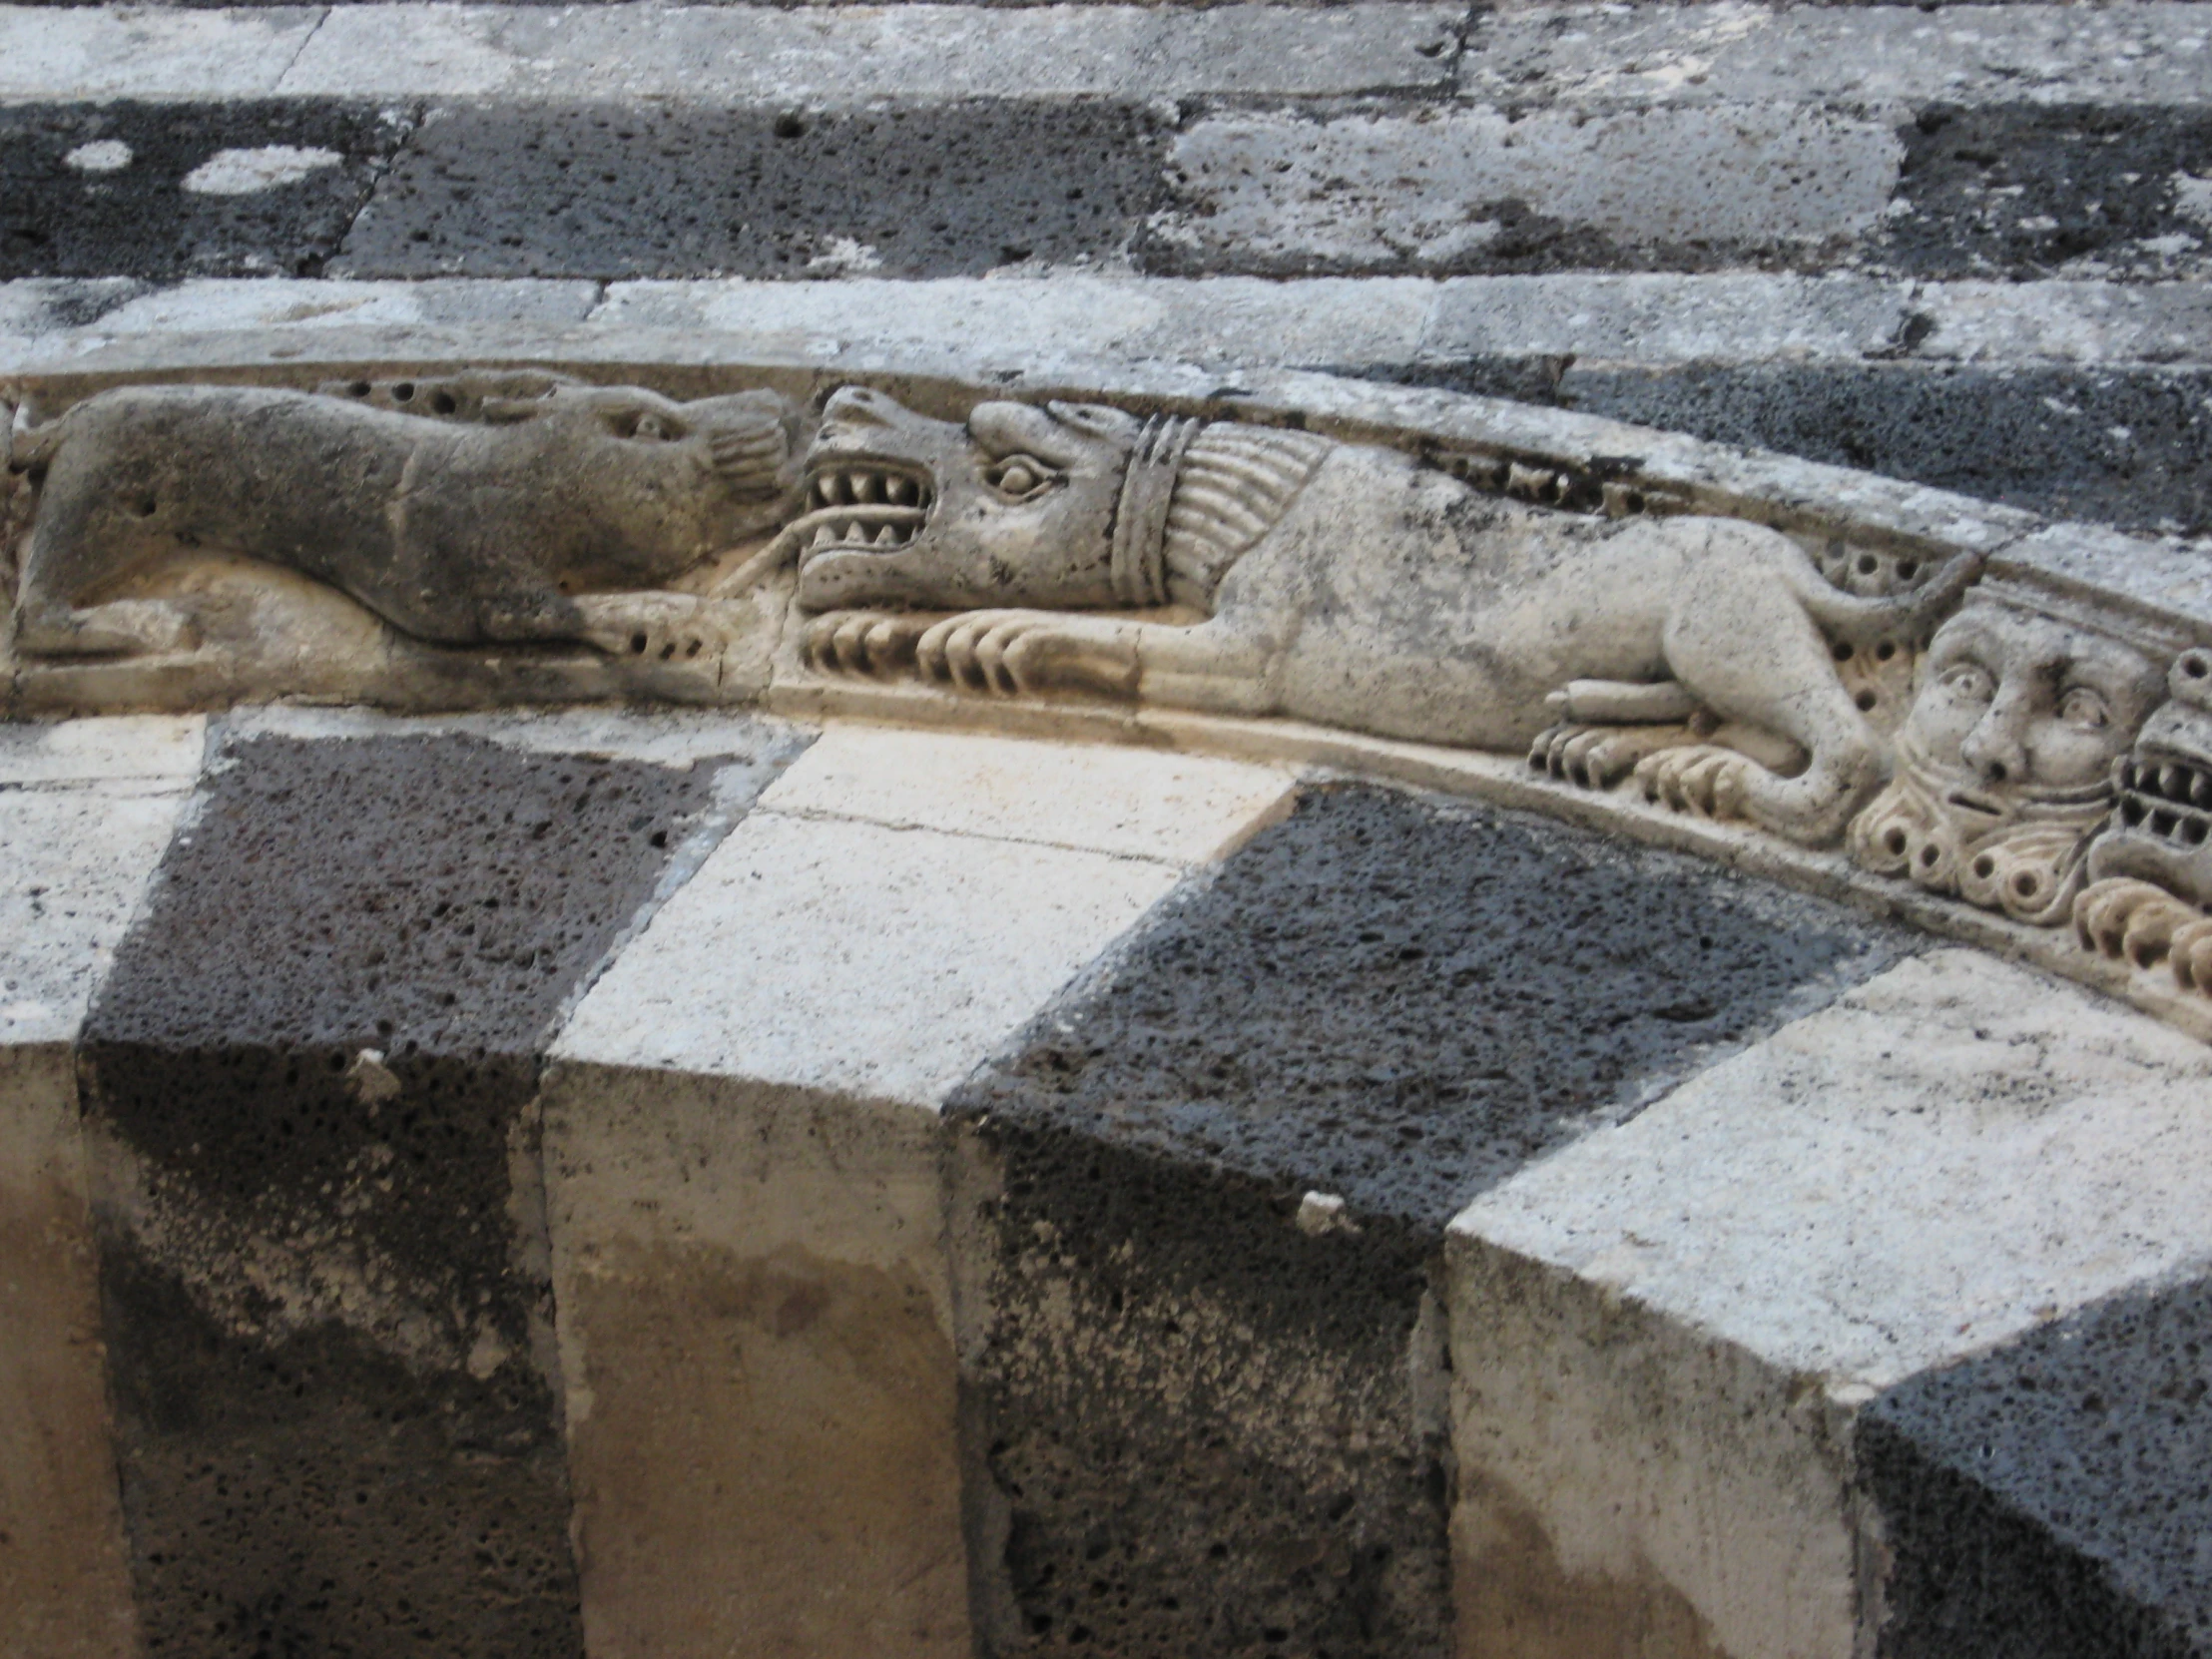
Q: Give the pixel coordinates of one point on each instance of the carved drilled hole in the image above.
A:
(359, 388)
(637, 642)
(1843, 652)
(2024, 883)
(1885, 650)
(144, 506)
(1894, 841)
(404, 392)
(1928, 856)
(1868, 564)
(1866, 701)
(2196, 665)
(692, 650)
(443, 404)
(1985, 867)
(1908, 569)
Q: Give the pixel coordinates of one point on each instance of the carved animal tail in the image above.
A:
(1862, 618)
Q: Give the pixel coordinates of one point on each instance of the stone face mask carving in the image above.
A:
(2004, 763)
(2151, 869)
(538, 520)
(1336, 583)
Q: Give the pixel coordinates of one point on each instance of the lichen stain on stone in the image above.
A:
(1517, 1601)
(738, 1401)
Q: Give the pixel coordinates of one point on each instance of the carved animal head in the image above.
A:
(2162, 831)
(2005, 764)
(1016, 507)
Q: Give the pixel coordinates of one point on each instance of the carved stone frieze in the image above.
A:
(1811, 658)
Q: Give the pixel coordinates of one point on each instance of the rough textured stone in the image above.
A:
(2049, 1497)
(757, 1246)
(140, 221)
(1207, 1413)
(324, 1277)
(675, 189)
(1660, 1333)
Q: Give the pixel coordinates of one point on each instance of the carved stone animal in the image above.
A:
(540, 520)
(1290, 573)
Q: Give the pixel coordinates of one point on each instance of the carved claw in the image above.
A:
(1701, 779)
(1020, 653)
(1598, 757)
(2191, 950)
(653, 627)
(2130, 918)
(879, 643)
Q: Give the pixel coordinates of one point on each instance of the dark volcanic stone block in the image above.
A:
(2130, 446)
(1195, 1426)
(2051, 1499)
(140, 221)
(687, 191)
(327, 1292)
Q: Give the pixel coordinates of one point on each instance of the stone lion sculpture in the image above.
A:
(546, 511)
(1289, 574)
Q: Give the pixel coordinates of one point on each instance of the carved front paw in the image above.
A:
(655, 627)
(1699, 777)
(880, 643)
(1598, 757)
(1020, 653)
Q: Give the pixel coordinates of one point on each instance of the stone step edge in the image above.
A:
(1614, 320)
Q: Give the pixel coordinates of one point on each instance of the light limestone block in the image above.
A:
(1133, 804)
(1661, 1333)
(742, 1174)
(86, 809)
(89, 53)
(876, 961)
(1641, 318)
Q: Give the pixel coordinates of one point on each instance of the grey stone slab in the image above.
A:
(1203, 1193)
(2047, 1499)
(673, 190)
(1865, 56)
(324, 1277)
(145, 218)
(2081, 321)
(814, 56)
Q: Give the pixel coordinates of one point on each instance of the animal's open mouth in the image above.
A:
(2171, 798)
(861, 508)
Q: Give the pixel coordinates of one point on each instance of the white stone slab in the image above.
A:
(283, 302)
(1953, 1153)
(1132, 804)
(884, 963)
(2089, 323)
(86, 53)
(846, 54)
(1642, 317)
(86, 810)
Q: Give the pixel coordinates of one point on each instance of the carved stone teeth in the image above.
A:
(867, 486)
(856, 531)
(2200, 793)
(823, 537)
(834, 490)
(2173, 782)
(888, 536)
(900, 491)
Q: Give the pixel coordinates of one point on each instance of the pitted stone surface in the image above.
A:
(2049, 1499)
(607, 191)
(326, 1284)
(1206, 1412)
(140, 218)
(1322, 1015)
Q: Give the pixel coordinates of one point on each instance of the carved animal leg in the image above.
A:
(120, 628)
(2192, 955)
(1740, 639)
(653, 626)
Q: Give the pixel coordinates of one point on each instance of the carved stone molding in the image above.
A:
(1950, 709)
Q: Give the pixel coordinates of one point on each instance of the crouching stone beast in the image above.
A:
(1284, 573)
(533, 517)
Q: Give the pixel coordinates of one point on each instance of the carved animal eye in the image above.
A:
(644, 426)
(1018, 477)
(1971, 682)
(2084, 708)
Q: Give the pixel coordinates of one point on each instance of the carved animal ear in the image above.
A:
(1098, 419)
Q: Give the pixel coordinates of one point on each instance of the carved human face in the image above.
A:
(2020, 703)
(1015, 507)
(2005, 759)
